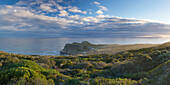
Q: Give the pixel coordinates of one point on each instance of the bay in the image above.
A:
(52, 46)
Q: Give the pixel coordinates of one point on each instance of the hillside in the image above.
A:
(146, 66)
(87, 48)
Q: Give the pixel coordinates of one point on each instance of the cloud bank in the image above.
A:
(49, 18)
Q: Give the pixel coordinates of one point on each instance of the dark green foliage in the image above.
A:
(17, 73)
(84, 65)
(148, 66)
(24, 63)
(47, 61)
(25, 71)
(117, 81)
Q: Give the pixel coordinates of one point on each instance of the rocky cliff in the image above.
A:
(86, 48)
(77, 48)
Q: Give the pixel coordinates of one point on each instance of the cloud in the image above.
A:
(103, 8)
(155, 36)
(86, 19)
(75, 17)
(59, 1)
(60, 7)
(76, 10)
(46, 7)
(99, 12)
(8, 28)
(103, 16)
(92, 19)
(63, 13)
(34, 19)
(97, 3)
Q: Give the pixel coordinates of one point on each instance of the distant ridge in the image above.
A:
(87, 48)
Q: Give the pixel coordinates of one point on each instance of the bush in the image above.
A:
(99, 65)
(47, 61)
(117, 81)
(20, 72)
(85, 65)
(25, 71)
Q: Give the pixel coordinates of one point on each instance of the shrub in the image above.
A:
(47, 61)
(85, 65)
(18, 72)
(117, 81)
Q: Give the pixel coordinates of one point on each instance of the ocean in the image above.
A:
(52, 46)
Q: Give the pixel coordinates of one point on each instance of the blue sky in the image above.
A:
(84, 18)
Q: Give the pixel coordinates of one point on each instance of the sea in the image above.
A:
(52, 46)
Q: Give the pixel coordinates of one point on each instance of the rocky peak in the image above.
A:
(86, 42)
(77, 48)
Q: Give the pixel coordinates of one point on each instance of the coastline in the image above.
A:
(95, 49)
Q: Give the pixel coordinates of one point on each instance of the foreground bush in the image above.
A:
(148, 66)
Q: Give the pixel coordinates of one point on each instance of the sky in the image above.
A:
(85, 18)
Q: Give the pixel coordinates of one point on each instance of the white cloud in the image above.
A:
(103, 8)
(99, 12)
(86, 20)
(97, 3)
(103, 16)
(75, 17)
(24, 24)
(63, 13)
(75, 9)
(9, 28)
(24, 13)
(60, 7)
(93, 19)
(3, 12)
(59, 1)
(84, 12)
(155, 35)
(19, 18)
(46, 7)
(20, 3)
(34, 21)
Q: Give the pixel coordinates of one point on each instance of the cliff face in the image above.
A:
(86, 48)
(77, 48)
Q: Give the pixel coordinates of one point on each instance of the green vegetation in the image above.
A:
(147, 66)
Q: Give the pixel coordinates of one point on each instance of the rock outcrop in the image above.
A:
(86, 48)
(77, 48)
